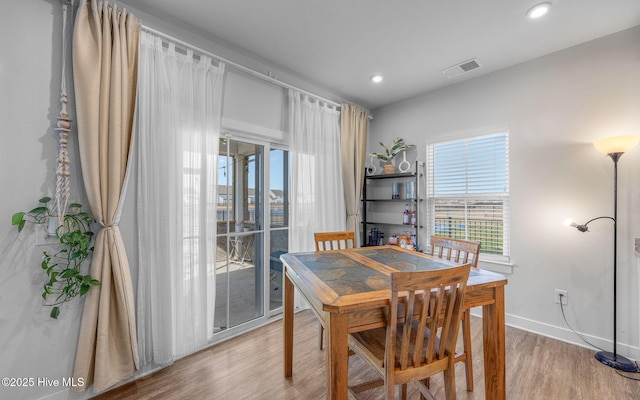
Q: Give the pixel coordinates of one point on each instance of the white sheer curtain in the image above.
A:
(317, 199)
(178, 134)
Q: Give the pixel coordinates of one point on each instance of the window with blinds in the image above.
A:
(468, 192)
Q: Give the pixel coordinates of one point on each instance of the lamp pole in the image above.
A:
(615, 157)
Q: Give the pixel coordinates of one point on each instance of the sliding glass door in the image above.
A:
(239, 264)
(250, 235)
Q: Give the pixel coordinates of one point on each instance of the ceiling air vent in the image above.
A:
(461, 68)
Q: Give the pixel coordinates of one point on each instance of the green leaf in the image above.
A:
(69, 273)
(75, 205)
(55, 311)
(38, 210)
(17, 218)
(84, 289)
(45, 200)
(44, 295)
(380, 156)
(85, 215)
(95, 282)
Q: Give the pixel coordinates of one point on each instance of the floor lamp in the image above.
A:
(614, 147)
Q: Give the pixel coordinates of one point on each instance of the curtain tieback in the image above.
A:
(109, 226)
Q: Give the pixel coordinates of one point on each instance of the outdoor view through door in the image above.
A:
(247, 276)
(279, 215)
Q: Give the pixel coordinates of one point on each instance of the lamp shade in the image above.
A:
(616, 144)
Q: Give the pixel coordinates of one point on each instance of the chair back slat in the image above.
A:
(326, 241)
(406, 330)
(459, 251)
(448, 323)
(436, 296)
(419, 340)
(448, 339)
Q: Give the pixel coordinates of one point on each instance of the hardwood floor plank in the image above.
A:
(250, 367)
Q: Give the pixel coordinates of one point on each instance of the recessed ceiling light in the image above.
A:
(376, 78)
(538, 10)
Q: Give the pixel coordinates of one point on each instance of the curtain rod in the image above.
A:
(239, 66)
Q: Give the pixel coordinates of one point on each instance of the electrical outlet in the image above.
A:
(561, 295)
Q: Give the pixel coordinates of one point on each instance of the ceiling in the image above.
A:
(339, 44)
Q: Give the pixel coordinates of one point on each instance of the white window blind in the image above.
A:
(468, 192)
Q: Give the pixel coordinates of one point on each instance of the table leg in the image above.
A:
(493, 331)
(337, 356)
(288, 326)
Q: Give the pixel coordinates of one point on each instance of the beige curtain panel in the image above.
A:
(105, 64)
(354, 125)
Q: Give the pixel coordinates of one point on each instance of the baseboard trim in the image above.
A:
(565, 335)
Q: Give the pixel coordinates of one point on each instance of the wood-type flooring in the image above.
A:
(250, 367)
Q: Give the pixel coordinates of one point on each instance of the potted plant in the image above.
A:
(390, 152)
(63, 266)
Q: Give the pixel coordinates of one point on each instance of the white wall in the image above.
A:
(554, 107)
(253, 105)
(32, 345)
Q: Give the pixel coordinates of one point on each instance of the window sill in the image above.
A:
(502, 267)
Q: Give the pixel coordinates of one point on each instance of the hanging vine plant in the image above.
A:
(64, 265)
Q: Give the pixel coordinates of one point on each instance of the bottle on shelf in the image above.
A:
(406, 219)
(413, 218)
(374, 237)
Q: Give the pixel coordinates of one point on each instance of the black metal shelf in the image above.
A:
(415, 201)
(392, 176)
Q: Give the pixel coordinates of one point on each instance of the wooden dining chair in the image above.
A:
(460, 251)
(409, 349)
(326, 241)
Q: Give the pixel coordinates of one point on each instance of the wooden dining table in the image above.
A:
(348, 290)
